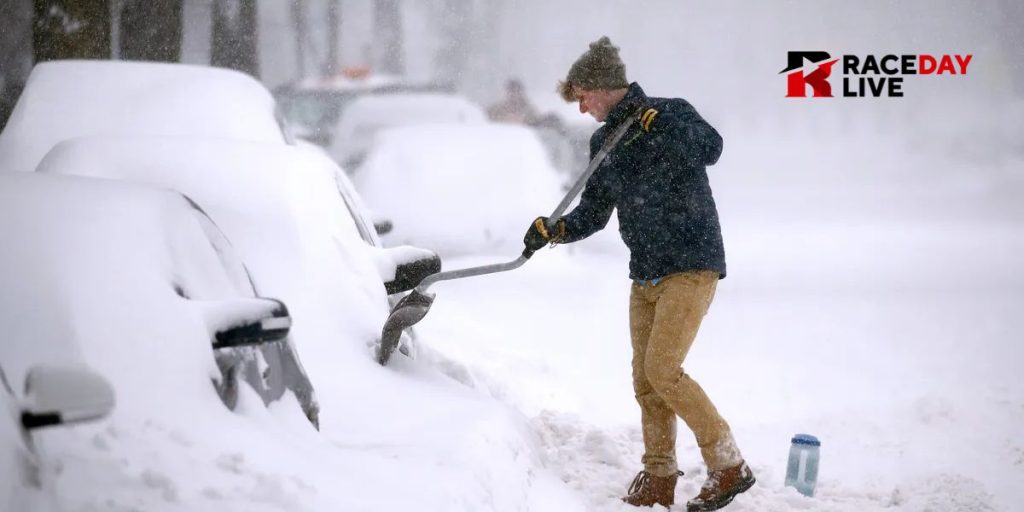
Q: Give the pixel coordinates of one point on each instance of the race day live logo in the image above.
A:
(864, 76)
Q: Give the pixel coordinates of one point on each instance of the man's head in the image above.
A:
(597, 80)
(597, 102)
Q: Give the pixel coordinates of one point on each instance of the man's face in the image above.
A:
(596, 102)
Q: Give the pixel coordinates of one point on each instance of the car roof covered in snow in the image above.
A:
(488, 142)
(366, 115)
(404, 108)
(66, 99)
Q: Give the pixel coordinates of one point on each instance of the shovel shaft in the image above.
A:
(469, 272)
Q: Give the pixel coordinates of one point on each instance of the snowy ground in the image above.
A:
(884, 320)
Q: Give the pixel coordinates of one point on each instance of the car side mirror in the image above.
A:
(409, 274)
(248, 322)
(60, 395)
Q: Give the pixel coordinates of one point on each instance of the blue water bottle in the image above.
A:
(802, 469)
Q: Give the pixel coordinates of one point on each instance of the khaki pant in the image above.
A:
(663, 321)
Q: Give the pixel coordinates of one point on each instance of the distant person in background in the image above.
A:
(515, 107)
(656, 178)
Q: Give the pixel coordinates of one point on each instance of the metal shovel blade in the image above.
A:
(410, 310)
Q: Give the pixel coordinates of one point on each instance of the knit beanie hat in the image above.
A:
(598, 68)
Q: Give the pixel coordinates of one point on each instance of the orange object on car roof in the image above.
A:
(355, 72)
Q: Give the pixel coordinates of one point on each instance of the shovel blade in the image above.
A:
(410, 310)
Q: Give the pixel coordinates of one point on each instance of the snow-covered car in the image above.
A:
(368, 115)
(51, 395)
(66, 99)
(459, 189)
(140, 276)
(567, 134)
(313, 106)
(289, 211)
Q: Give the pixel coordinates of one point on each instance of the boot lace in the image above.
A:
(640, 481)
(712, 480)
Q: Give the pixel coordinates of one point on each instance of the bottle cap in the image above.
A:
(806, 439)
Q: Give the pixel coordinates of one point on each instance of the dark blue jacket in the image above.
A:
(657, 180)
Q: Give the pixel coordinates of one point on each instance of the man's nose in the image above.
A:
(583, 108)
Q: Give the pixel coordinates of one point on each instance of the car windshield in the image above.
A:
(313, 109)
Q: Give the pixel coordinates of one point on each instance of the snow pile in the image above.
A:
(459, 189)
(388, 260)
(68, 99)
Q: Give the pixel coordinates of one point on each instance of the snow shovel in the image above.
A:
(413, 307)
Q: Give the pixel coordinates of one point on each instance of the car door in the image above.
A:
(270, 367)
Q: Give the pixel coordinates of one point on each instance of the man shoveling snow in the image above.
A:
(657, 180)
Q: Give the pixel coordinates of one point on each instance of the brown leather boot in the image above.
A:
(721, 487)
(648, 490)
